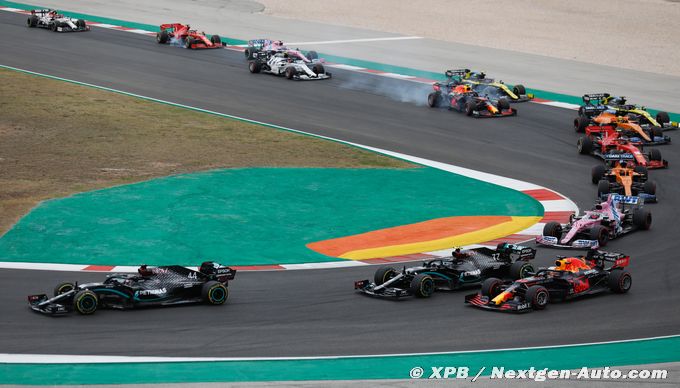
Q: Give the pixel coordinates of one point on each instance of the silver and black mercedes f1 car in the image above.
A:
(151, 286)
(49, 18)
(463, 269)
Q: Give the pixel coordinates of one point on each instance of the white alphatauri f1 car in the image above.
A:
(292, 64)
(49, 18)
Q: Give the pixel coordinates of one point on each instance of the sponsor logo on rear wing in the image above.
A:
(40, 11)
(457, 72)
(630, 200)
(619, 156)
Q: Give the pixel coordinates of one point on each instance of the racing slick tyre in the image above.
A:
(503, 104)
(469, 108)
(216, 40)
(519, 90)
(642, 170)
(433, 99)
(553, 229)
(491, 287)
(312, 55)
(538, 296)
(54, 26)
(318, 69)
(584, 145)
(248, 53)
(603, 188)
(642, 219)
(649, 187)
(655, 154)
(80, 23)
(254, 67)
(162, 37)
(597, 173)
(422, 286)
(521, 269)
(63, 288)
(599, 233)
(663, 118)
(188, 42)
(291, 72)
(384, 274)
(620, 281)
(85, 302)
(656, 132)
(214, 293)
(580, 123)
(32, 21)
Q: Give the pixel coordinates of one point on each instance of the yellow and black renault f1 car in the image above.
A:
(151, 286)
(465, 268)
(571, 277)
(488, 86)
(596, 103)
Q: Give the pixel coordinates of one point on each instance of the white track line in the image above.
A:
(354, 40)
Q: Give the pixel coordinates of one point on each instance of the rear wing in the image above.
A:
(456, 73)
(615, 157)
(40, 11)
(625, 199)
(259, 43)
(513, 251)
(595, 98)
(601, 259)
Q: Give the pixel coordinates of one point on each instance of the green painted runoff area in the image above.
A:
(253, 216)
(331, 58)
(345, 368)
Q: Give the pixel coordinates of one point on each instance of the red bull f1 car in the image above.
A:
(609, 219)
(571, 277)
(465, 268)
(151, 286)
(596, 103)
(463, 99)
(53, 20)
(182, 35)
(485, 86)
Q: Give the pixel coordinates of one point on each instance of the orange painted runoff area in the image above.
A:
(440, 233)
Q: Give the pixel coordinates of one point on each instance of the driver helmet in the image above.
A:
(144, 270)
(623, 164)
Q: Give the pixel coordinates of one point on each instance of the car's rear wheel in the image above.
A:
(642, 218)
(519, 90)
(80, 23)
(214, 293)
(216, 40)
(538, 296)
(655, 154)
(553, 229)
(663, 118)
(642, 170)
(318, 69)
(521, 269)
(422, 286)
(491, 287)
(254, 67)
(32, 21)
(597, 173)
(162, 37)
(649, 187)
(85, 302)
(620, 281)
(603, 188)
(63, 288)
(433, 99)
(188, 42)
(580, 123)
(312, 55)
(384, 274)
(599, 233)
(584, 145)
(503, 104)
(469, 108)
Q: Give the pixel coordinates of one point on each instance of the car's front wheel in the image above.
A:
(85, 302)
(422, 286)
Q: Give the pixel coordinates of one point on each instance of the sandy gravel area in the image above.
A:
(633, 34)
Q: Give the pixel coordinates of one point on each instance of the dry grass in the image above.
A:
(58, 138)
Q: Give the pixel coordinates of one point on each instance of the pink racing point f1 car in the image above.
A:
(616, 216)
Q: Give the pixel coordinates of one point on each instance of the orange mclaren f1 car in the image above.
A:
(627, 126)
(622, 178)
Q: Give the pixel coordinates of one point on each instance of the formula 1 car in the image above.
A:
(608, 145)
(288, 64)
(625, 127)
(183, 35)
(617, 176)
(487, 86)
(464, 268)
(596, 103)
(49, 18)
(152, 286)
(571, 277)
(609, 219)
(274, 46)
(463, 99)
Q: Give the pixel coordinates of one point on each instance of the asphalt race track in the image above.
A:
(307, 313)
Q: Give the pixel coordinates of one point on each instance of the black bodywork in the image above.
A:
(602, 272)
(151, 286)
(463, 269)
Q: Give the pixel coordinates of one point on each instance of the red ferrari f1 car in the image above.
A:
(183, 35)
(463, 99)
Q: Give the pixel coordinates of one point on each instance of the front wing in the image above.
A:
(368, 288)
(550, 241)
(483, 302)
